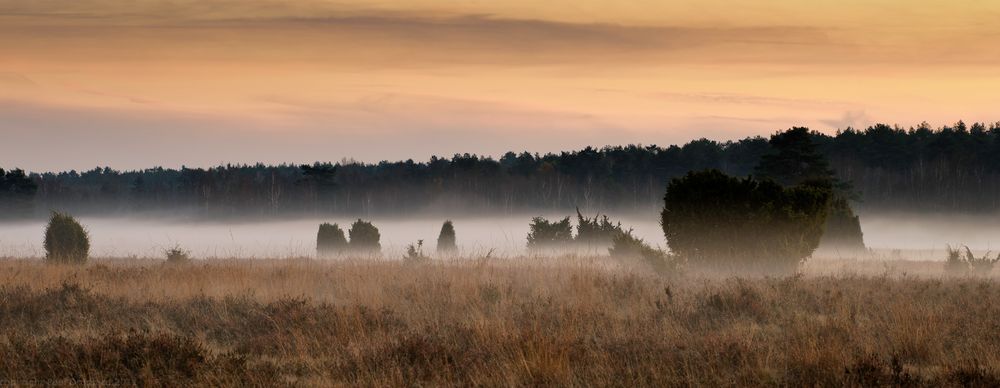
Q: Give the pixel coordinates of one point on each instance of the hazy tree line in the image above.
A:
(953, 168)
(17, 193)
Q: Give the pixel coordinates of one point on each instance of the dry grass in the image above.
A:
(504, 322)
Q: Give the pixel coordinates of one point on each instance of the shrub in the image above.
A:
(446, 239)
(980, 265)
(330, 240)
(596, 231)
(364, 237)
(66, 241)
(415, 253)
(955, 263)
(546, 234)
(958, 264)
(177, 255)
(713, 219)
(626, 246)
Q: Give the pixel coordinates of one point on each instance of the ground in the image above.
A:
(497, 322)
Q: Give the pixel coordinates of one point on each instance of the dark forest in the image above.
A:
(949, 169)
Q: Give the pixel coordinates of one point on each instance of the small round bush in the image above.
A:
(177, 255)
(66, 241)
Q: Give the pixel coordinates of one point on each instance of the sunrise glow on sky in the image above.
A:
(134, 84)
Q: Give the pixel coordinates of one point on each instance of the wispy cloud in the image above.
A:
(351, 33)
(747, 99)
(852, 119)
(358, 37)
(16, 80)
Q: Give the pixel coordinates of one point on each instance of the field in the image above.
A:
(563, 321)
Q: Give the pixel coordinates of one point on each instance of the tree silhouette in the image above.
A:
(17, 193)
(330, 240)
(364, 238)
(446, 239)
(795, 160)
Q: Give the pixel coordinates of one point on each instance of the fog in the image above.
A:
(907, 236)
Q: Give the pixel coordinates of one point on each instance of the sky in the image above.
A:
(143, 83)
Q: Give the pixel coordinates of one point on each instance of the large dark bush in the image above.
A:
(364, 237)
(843, 228)
(330, 240)
(710, 218)
(547, 234)
(446, 239)
(66, 241)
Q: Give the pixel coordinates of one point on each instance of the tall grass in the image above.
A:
(501, 322)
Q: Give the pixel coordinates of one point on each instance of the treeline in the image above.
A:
(953, 168)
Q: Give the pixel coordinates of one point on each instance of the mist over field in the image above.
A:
(918, 236)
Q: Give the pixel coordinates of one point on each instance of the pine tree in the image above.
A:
(795, 160)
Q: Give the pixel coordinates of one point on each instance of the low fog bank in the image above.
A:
(896, 235)
(148, 237)
(927, 231)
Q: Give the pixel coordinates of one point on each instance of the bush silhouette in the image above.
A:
(446, 239)
(546, 234)
(364, 237)
(626, 246)
(177, 255)
(330, 240)
(596, 231)
(957, 264)
(66, 241)
(415, 253)
(713, 219)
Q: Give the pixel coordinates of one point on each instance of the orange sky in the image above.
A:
(200, 82)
